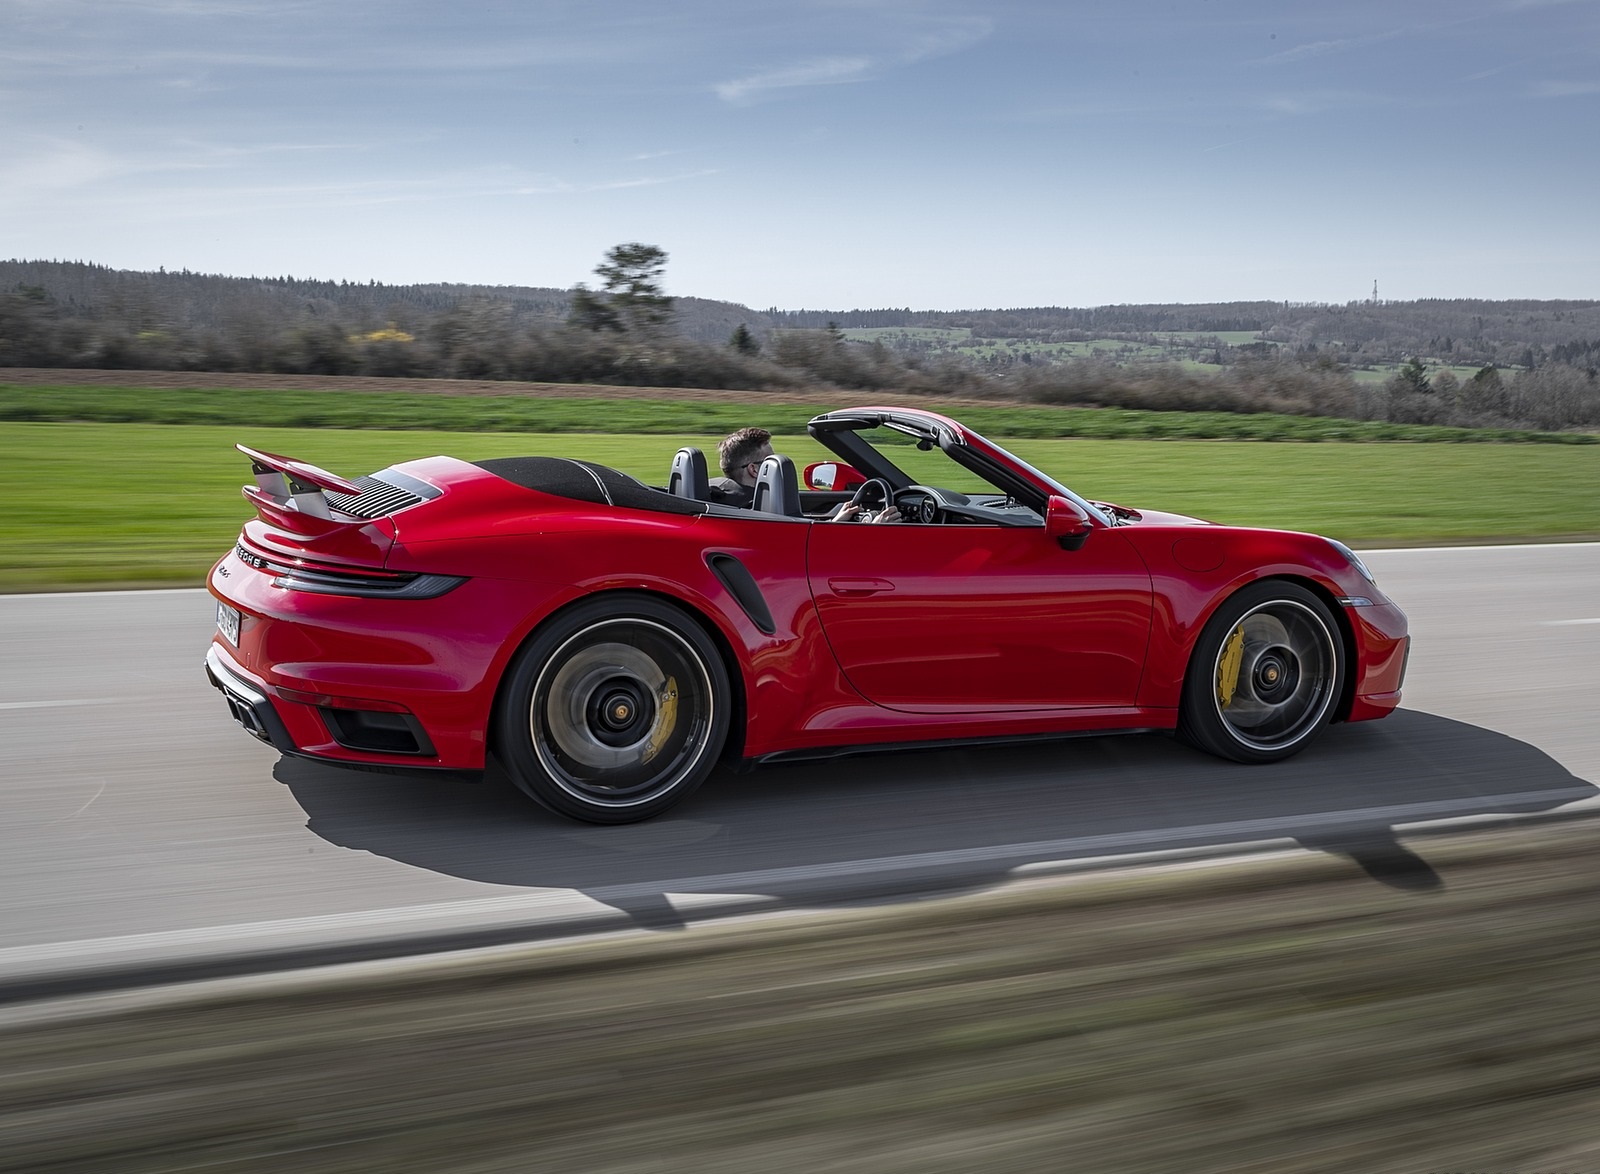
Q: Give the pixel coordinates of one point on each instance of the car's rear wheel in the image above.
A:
(614, 712)
(1264, 675)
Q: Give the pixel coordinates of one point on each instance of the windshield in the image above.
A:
(966, 469)
(923, 466)
(1055, 486)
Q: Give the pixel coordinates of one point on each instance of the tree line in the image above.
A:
(1540, 370)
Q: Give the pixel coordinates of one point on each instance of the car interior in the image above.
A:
(777, 490)
(779, 494)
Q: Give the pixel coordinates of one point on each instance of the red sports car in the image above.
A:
(611, 642)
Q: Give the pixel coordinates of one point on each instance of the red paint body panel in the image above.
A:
(966, 620)
(1186, 599)
(880, 634)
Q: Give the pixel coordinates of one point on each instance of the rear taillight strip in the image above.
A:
(403, 587)
(325, 580)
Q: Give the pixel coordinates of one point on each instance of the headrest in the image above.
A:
(688, 477)
(777, 487)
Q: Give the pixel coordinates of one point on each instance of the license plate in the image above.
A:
(228, 623)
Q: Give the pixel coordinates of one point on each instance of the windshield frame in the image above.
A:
(844, 433)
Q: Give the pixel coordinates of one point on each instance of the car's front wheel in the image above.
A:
(1264, 675)
(614, 712)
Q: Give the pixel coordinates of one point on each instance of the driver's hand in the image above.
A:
(854, 513)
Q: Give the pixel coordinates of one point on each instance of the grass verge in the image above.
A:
(1279, 1016)
(404, 411)
(102, 505)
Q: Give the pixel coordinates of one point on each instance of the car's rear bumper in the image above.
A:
(247, 701)
(388, 739)
(401, 683)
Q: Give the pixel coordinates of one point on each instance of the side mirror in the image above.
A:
(832, 475)
(1066, 522)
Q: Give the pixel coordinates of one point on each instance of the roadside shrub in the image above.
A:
(1556, 396)
(1403, 404)
(1264, 385)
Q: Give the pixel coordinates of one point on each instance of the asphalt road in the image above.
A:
(144, 834)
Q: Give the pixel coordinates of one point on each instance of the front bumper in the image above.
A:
(1384, 648)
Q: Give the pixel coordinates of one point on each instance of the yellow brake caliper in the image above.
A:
(1228, 667)
(666, 719)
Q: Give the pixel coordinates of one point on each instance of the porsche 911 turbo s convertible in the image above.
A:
(610, 641)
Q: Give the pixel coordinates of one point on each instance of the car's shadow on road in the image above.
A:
(843, 829)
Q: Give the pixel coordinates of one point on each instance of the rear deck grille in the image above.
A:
(377, 498)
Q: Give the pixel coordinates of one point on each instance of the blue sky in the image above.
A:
(819, 153)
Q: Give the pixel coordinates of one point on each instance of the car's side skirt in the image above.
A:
(813, 753)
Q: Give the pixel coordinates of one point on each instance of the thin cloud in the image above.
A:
(465, 59)
(935, 38)
(647, 181)
(1565, 89)
(111, 61)
(61, 166)
(1093, 111)
(1319, 102)
(950, 35)
(568, 188)
(1323, 48)
(825, 71)
(1494, 71)
(1226, 145)
(195, 183)
(1182, 109)
(230, 151)
(78, 10)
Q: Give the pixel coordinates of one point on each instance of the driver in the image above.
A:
(740, 454)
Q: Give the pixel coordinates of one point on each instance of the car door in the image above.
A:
(967, 618)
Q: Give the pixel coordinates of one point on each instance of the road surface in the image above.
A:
(146, 836)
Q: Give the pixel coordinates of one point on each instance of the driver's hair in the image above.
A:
(739, 448)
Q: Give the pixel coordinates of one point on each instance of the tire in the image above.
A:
(615, 711)
(1264, 676)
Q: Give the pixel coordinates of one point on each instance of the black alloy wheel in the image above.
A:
(615, 711)
(1264, 676)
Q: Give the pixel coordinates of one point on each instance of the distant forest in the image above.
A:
(1472, 362)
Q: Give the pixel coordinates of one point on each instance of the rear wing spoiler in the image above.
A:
(291, 493)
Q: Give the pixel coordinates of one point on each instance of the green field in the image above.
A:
(1383, 373)
(1172, 346)
(1176, 347)
(1109, 349)
(944, 335)
(1228, 337)
(107, 505)
(511, 412)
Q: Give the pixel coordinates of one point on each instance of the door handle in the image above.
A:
(859, 586)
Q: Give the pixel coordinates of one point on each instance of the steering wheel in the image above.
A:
(877, 495)
(872, 497)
